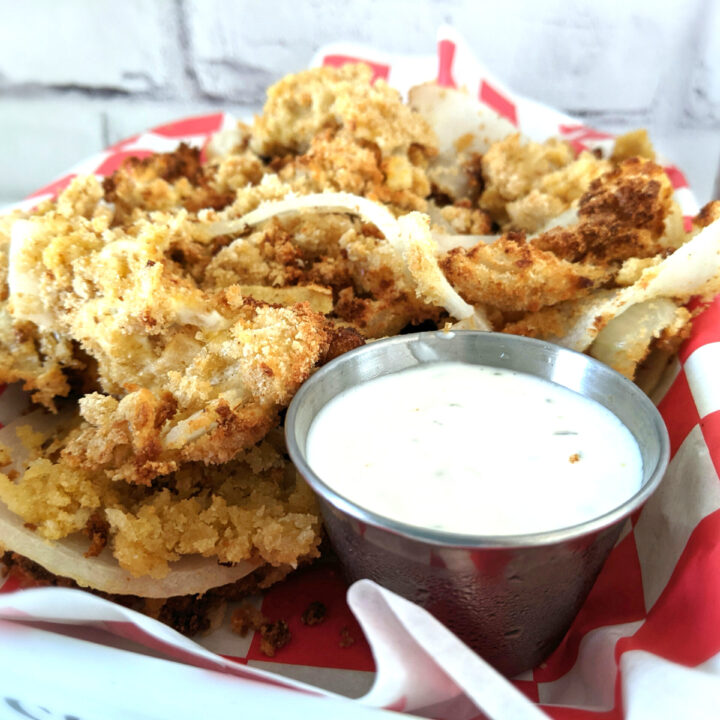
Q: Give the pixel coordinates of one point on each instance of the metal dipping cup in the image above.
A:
(511, 598)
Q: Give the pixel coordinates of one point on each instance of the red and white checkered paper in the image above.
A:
(646, 644)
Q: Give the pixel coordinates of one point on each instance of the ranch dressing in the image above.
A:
(476, 450)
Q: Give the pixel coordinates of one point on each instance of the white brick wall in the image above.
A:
(704, 100)
(120, 47)
(78, 74)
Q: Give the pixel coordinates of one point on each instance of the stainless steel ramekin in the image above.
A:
(510, 598)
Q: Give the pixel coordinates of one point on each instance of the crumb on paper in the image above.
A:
(575, 457)
(5, 455)
(346, 639)
(314, 614)
(274, 637)
(247, 618)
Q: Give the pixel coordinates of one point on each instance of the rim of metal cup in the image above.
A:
(450, 539)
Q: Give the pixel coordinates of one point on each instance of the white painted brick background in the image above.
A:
(76, 75)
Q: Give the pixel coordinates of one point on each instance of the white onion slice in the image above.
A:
(460, 122)
(419, 251)
(408, 235)
(690, 270)
(375, 213)
(190, 575)
(626, 339)
(478, 321)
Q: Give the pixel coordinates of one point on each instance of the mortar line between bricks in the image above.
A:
(32, 90)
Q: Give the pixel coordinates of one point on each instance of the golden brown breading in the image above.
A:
(165, 181)
(228, 362)
(179, 179)
(368, 282)
(287, 251)
(466, 220)
(332, 129)
(622, 325)
(377, 318)
(709, 213)
(527, 184)
(511, 168)
(511, 274)
(341, 163)
(301, 106)
(208, 395)
(635, 143)
(622, 215)
(253, 508)
(38, 359)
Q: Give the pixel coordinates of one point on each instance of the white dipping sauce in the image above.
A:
(474, 450)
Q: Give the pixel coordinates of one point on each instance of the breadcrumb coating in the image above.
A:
(37, 359)
(332, 129)
(635, 143)
(300, 106)
(512, 274)
(526, 184)
(168, 181)
(254, 507)
(623, 214)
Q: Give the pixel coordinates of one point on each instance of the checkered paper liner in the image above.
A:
(645, 644)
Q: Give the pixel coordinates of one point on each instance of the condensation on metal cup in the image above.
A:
(510, 598)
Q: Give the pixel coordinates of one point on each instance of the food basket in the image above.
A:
(646, 644)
